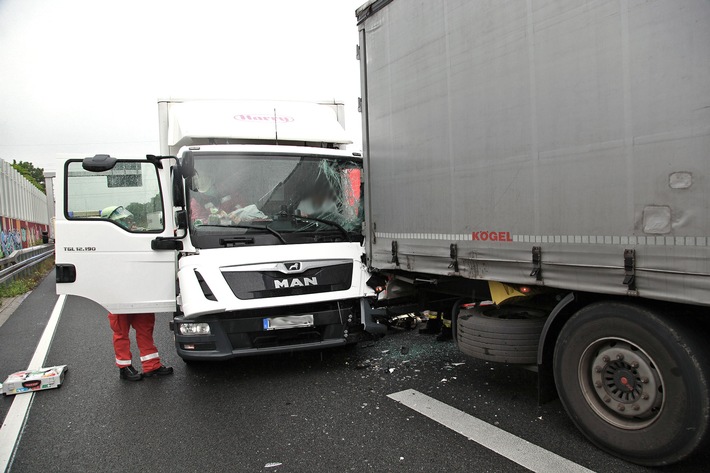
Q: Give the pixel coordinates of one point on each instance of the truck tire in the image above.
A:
(506, 335)
(635, 382)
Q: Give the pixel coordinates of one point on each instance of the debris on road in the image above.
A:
(34, 380)
(404, 321)
(272, 465)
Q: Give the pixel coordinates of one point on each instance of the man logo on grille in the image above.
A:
(295, 282)
(293, 266)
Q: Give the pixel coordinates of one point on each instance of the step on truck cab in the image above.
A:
(248, 228)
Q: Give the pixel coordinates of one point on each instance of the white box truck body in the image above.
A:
(553, 156)
(248, 228)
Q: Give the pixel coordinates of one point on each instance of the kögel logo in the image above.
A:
(245, 117)
(491, 236)
(295, 282)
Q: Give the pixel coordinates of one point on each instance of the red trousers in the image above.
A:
(143, 324)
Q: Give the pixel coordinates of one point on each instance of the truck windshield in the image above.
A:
(275, 199)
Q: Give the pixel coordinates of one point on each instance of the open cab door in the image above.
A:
(115, 232)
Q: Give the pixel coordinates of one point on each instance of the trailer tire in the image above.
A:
(506, 335)
(635, 382)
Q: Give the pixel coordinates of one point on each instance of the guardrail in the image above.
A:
(22, 260)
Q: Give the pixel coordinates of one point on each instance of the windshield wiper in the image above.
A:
(252, 227)
(327, 222)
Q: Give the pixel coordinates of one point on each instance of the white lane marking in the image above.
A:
(14, 422)
(503, 443)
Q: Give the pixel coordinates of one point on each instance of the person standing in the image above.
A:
(150, 359)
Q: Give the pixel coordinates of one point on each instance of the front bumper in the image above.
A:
(236, 334)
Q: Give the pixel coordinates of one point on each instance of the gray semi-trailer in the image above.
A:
(554, 157)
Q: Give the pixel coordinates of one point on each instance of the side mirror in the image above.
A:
(99, 163)
(187, 164)
(178, 188)
(181, 219)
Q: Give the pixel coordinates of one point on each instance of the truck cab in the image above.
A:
(248, 228)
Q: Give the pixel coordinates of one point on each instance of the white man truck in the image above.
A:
(552, 156)
(248, 228)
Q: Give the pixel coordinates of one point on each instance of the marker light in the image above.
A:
(195, 329)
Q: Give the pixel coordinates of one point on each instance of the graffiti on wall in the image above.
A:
(18, 234)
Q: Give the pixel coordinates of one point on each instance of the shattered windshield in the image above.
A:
(291, 197)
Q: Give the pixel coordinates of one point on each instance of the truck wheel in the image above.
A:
(507, 335)
(634, 382)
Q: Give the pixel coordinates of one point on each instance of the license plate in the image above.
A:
(289, 321)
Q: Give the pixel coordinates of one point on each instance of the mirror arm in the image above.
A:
(156, 160)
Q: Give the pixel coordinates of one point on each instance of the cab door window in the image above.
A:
(128, 196)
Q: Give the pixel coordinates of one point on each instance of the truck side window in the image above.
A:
(128, 196)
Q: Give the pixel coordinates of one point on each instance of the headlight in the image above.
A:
(195, 329)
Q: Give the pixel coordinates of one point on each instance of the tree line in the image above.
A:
(33, 174)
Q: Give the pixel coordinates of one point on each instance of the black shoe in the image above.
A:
(130, 373)
(162, 371)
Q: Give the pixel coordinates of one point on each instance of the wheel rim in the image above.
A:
(621, 383)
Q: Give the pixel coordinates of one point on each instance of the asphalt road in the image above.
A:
(313, 411)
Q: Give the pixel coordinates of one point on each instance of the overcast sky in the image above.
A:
(81, 77)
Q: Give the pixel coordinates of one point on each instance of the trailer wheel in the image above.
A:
(634, 382)
(507, 334)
